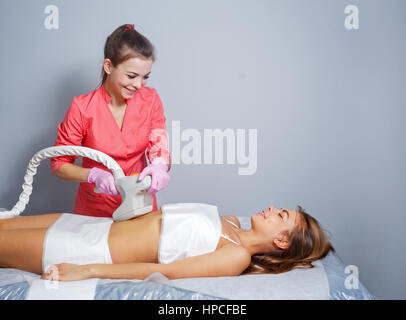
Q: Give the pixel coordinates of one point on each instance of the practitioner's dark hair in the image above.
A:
(307, 243)
(125, 43)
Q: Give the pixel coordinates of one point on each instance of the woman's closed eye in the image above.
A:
(285, 216)
(132, 77)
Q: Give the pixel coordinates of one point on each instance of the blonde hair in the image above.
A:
(307, 243)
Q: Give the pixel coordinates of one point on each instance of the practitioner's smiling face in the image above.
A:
(128, 76)
(274, 224)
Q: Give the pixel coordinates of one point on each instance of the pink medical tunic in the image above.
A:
(89, 122)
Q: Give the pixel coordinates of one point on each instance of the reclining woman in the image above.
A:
(180, 241)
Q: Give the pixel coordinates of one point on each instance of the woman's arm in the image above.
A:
(72, 172)
(229, 260)
(70, 133)
(158, 138)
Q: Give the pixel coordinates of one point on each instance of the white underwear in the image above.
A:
(77, 239)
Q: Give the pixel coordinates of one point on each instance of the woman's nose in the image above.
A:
(137, 83)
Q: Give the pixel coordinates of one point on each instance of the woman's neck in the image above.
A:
(251, 241)
(116, 99)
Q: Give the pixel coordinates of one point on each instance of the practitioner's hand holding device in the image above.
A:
(158, 170)
(103, 180)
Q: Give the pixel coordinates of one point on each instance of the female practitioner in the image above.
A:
(122, 118)
(180, 240)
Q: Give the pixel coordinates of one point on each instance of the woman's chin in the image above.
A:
(253, 218)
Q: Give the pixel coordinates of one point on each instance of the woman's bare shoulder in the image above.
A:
(238, 256)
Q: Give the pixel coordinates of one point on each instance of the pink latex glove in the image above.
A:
(104, 181)
(158, 170)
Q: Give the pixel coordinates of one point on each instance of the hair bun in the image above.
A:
(129, 27)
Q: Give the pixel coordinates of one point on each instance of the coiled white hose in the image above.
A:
(57, 151)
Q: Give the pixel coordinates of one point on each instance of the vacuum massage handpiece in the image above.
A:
(135, 200)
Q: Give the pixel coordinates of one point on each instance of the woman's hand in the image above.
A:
(103, 180)
(158, 170)
(66, 272)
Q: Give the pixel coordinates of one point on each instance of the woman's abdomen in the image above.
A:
(136, 240)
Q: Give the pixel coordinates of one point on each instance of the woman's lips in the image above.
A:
(131, 91)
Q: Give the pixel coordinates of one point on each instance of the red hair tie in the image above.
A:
(129, 27)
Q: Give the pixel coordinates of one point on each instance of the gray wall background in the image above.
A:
(328, 104)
